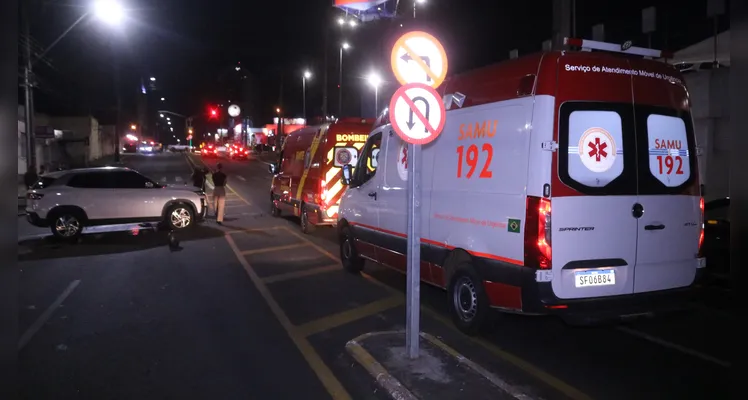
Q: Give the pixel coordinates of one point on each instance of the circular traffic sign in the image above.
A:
(418, 57)
(417, 113)
(234, 110)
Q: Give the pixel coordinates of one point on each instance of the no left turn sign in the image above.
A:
(418, 57)
(417, 113)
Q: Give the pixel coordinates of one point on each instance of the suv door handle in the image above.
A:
(373, 194)
(654, 227)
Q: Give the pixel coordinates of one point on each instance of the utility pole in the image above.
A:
(28, 92)
(324, 79)
(115, 58)
(561, 22)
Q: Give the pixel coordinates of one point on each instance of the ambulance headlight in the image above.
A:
(332, 211)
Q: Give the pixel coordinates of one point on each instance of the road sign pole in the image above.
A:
(413, 303)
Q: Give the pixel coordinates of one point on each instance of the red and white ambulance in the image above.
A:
(563, 183)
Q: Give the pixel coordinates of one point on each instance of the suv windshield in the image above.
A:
(620, 149)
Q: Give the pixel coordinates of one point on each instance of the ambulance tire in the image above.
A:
(468, 302)
(349, 257)
(306, 226)
(274, 210)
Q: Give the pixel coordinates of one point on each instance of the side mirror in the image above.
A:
(347, 174)
(272, 168)
(149, 185)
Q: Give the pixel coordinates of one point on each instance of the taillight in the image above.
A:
(701, 235)
(538, 233)
(323, 190)
(34, 196)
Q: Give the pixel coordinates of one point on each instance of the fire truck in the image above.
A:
(306, 181)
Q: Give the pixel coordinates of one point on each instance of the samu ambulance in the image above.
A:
(306, 181)
(563, 183)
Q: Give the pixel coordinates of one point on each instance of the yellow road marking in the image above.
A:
(342, 318)
(274, 248)
(252, 230)
(301, 274)
(310, 243)
(238, 195)
(323, 372)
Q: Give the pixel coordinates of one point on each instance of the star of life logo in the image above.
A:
(597, 150)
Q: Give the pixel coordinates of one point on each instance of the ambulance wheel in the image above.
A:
(468, 302)
(274, 210)
(306, 226)
(352, 262)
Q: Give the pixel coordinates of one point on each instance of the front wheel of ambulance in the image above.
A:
(468, 303)
(306, 226)
(352, 262)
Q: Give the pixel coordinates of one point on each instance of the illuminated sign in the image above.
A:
(351, 138)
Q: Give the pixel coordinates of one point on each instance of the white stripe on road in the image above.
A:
(46, 315)
(241, 178)
(674, 346)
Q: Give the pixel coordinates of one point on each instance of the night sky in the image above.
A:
(192, 47)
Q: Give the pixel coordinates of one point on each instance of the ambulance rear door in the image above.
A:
(669, 196)
(593, 231)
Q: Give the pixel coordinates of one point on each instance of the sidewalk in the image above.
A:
(438, 372)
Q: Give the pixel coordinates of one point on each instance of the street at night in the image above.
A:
(375, 199)
(257, 309)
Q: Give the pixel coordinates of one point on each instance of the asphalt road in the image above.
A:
(685, 355)
(255, 309)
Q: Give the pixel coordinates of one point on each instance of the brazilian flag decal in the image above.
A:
(513, 225)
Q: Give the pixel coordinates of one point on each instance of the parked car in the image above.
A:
(68, 201)
(717, 235)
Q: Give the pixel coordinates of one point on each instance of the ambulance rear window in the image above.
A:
(624, 149)
(597, 148)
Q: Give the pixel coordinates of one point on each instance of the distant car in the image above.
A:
(717, 235)
(238, 153)
(209, 151)
(68, 201)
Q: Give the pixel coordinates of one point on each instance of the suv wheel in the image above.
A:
(352, 262)
(468, 302)
(179, 216)
(66, 225)
(306, 226)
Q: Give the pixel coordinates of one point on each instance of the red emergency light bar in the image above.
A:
(625, 48)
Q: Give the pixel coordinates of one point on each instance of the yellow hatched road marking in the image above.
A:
(301, 274)
(275, 248)
(342, 318)
(323, 372)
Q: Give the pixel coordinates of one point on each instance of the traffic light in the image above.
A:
(213, 113)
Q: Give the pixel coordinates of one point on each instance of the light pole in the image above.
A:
(304, 77)
(414, 6)
(109, 11)
(343, 24)
(343, 46)
(375, 80)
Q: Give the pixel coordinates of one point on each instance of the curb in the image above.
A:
(396, 390)
(389, 383)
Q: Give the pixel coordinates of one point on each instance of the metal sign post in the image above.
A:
(417, 114)
(413, 301)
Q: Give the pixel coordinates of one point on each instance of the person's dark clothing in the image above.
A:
(198, 179)
(30, 178)
(219, 178)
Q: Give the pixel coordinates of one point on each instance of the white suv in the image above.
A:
(67, 201)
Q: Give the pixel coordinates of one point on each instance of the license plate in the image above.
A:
(602, 277)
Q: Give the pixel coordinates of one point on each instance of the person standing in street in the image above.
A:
(219, 192)
(198, 178)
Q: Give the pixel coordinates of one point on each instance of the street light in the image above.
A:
(109, 11)
(133, 127)
(307, 74)
(343, 46)
(278, 110)
(161, 115)
(163, 99)
(352, 23)
(153, 79)
(168, 119)
(169, 122)
(375, 80)
(341, 21)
